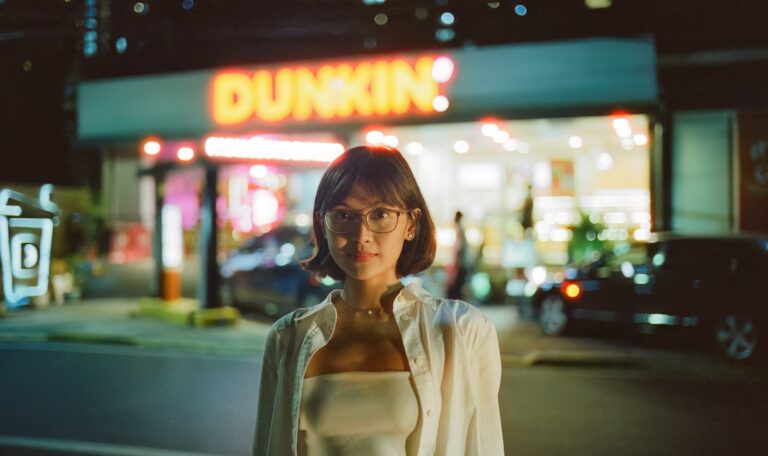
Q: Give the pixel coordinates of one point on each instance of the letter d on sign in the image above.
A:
(232, 98)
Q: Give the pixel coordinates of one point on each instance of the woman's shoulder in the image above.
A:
(465, 317)
(288, 322)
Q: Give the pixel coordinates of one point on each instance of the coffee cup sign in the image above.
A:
(26, 234)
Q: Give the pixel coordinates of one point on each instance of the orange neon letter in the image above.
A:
(354, 93)
(273, 103)
(314, 93)
(232, 98)
(381, 87)
(413, 85)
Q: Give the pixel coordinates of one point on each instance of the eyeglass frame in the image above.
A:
(364, 216)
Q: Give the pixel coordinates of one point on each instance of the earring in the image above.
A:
(409, 236)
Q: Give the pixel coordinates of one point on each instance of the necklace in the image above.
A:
(354, 309)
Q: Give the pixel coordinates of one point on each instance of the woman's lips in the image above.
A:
(361, 257)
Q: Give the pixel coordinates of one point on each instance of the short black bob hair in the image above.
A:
(383, 172)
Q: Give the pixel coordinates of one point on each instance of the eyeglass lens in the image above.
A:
(377, 220)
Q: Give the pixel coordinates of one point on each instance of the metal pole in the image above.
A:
(208, 288)
(157, 234)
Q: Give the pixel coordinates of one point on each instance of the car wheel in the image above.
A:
(736, 336)
(552, 317)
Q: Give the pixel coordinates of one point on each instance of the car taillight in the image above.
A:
(571, 290)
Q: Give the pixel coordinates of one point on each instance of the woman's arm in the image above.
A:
(485, 435)
(267, 386)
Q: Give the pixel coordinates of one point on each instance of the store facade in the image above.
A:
(567, 123)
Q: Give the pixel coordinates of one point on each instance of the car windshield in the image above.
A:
(276, 238)
(624, 259)
(634, 254)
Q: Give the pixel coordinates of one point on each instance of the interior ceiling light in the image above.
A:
(511, 145)
(461, 147)
(500, 136)
(575, 142)
(258, 171)
(604, 161)
(374, 137)
(622, 127)
(414, 148)
(185, 153)
(152, 147)
(489, 129)
(257, 148)
(391, 141)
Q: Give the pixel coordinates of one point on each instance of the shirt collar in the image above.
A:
(324, 304)
(407, 296)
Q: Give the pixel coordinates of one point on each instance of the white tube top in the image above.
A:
(358, 413)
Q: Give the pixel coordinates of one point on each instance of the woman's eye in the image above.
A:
(380, 214)
(343, 216)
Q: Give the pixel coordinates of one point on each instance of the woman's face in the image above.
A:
(363, 254)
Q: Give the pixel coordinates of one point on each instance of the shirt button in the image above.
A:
(405, 317)
(429, 412)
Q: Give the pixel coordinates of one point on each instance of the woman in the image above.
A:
(378, 368)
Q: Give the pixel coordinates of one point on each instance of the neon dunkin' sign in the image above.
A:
(26, 233)
(365, 89)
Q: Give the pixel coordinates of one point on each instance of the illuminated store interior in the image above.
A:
(584, 167)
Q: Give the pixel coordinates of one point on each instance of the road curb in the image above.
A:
(90, 338)
(186, 312)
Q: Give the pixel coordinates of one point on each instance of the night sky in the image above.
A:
(42, 45)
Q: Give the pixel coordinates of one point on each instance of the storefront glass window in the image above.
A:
(584, 173)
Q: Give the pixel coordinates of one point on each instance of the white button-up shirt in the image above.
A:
(453, 352)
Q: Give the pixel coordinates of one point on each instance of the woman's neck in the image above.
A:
(369, 295)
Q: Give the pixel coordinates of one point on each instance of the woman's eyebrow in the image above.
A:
(373, 205)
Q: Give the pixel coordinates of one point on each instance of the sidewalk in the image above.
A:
(522, 344)
(117, 321)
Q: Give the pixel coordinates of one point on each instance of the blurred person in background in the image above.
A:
(460, 268)
(378, 368)
(526, 217)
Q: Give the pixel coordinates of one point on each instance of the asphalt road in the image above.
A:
(130, 399)
(80, 399)
(638, 411)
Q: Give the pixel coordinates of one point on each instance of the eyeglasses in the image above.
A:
(377, 220)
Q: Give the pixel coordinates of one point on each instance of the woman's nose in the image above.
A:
(361, 233)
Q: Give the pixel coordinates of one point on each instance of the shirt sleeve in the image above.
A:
(485, 433)
(266, 405)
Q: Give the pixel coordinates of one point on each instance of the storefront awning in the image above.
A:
(508, 80)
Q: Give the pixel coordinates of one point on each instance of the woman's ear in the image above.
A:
(413, 223)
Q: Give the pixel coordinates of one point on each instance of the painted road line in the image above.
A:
(88, 448)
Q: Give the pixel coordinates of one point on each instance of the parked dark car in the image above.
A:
(264, 274)
(713, 288)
